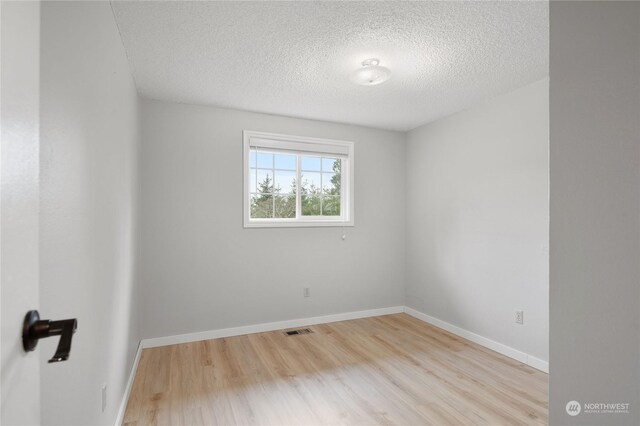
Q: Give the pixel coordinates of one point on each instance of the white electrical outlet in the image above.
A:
(306, 292)
(104, 397)
(519, 317)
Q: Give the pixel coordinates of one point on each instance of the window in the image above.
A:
(297, 181)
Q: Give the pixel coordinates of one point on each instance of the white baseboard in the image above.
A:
(503, 349)
(538, 364)
(127, 390)
(270, 326)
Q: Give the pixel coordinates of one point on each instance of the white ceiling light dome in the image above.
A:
(371, 73)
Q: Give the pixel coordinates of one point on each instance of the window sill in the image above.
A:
(297, 224)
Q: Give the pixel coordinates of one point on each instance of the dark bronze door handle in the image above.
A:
(35, 329)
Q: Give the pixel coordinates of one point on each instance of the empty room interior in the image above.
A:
(287, 213)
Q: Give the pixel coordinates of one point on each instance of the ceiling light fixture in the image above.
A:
(371, 73)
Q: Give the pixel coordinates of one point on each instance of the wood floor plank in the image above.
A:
(388, 370)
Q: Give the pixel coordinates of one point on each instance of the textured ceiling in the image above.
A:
(295, 58)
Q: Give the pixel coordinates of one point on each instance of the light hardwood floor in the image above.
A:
(392, 369)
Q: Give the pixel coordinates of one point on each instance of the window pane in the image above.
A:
(311, 205)
(310, 163)
(285, 182)
(337, 167)
(265, 181)
(265, 160)
(331, 205)
(252, 180)
(285, 206)
(252, 158)
(330, 164)
(261, 206)
(331, 184)
(285, 162)
(310, 183)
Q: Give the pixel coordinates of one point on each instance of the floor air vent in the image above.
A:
(298, 331)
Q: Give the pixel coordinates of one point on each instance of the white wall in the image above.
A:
(89, 143)
(201, 270)
(20, 399)
(477, 219)
(595, 209)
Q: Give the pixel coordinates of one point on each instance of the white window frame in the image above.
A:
(301, 144)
